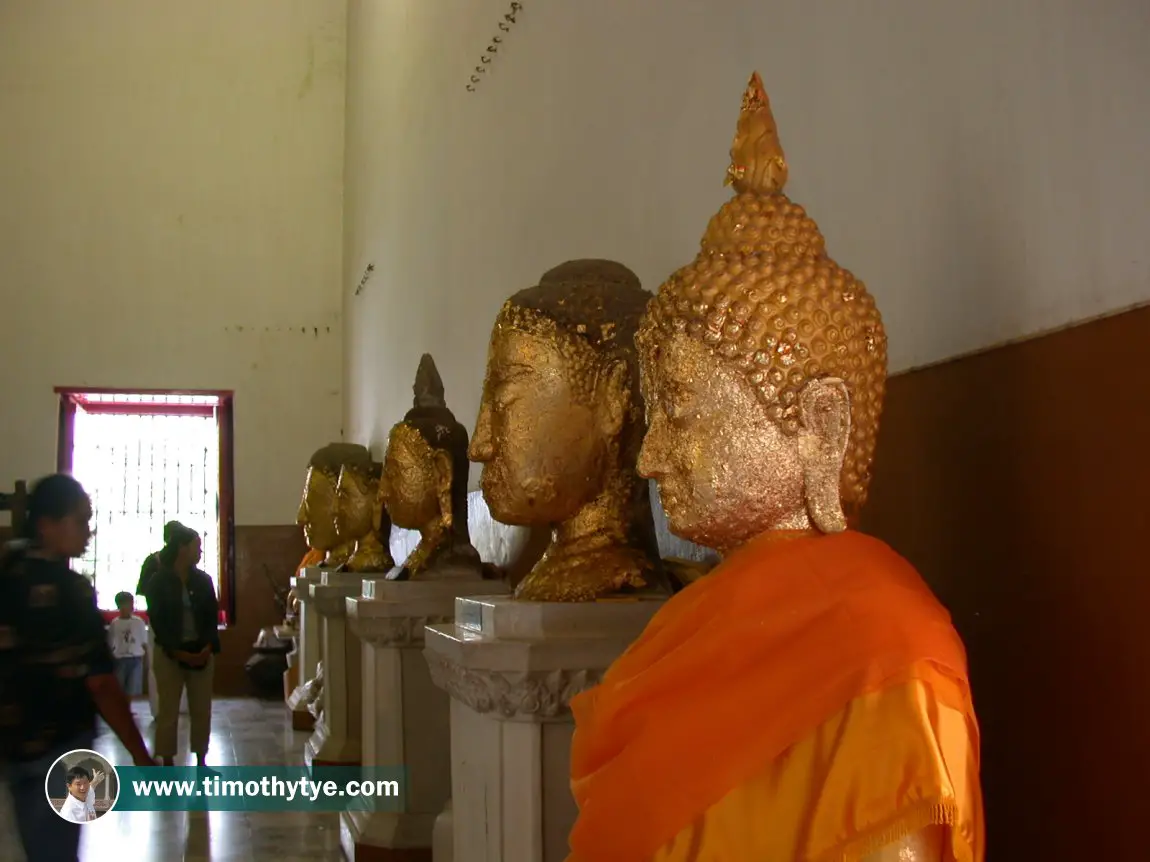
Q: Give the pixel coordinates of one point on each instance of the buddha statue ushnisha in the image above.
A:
(318, 506)
(559, 429)
(424, 485)
(361, 519)
(811, 685)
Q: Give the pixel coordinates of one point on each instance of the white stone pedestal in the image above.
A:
(307, 654)
(336, 741)
(406, 718)
(511, 668)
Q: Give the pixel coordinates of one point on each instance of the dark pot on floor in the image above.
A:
(267, 665)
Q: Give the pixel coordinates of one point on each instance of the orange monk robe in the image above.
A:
(807, 700)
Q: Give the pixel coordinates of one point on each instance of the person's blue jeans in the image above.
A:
(130, 673)
(46, 836)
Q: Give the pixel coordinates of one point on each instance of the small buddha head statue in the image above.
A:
(317, 509)
(361, 518)
(763, 365)
(559, 428)
(424, 483)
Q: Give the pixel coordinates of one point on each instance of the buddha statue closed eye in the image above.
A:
(424, 484)
(317, 509)
(361, 518)
(559, 428)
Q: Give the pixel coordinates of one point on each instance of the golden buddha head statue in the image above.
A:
(763, 364)
(559, 428)
(361, 518)
(424, 482)
(317, 509)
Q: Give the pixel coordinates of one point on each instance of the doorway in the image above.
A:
(147, 458)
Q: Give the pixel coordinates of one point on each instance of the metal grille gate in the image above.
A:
(143, 470)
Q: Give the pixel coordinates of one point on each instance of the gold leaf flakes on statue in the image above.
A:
(559, 429)
(316, 512)
(767, 302)
(424, 484)
(361, 519)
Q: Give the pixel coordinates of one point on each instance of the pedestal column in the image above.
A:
(307, 655)
(511, 669)
(336, 741)
(406, 718)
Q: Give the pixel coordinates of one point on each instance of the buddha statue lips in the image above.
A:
(559, 427)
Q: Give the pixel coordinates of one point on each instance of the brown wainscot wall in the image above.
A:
(276, 550)
(1016, 481)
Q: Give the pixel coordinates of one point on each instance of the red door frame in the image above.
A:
(71, 396)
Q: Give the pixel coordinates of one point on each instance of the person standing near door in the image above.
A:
(184, 614)
(152, 563)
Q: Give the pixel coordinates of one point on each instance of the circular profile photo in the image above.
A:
(82, 786)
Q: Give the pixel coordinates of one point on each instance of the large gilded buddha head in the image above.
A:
(424, 483)
(763, 363)
(317, 508)
(360, 517)
(560, 426)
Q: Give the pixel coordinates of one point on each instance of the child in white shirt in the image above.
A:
(80, 803)
(128, 638)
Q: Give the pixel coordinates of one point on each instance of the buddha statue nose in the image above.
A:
(479, 450)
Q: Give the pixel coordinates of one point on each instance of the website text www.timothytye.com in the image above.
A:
(267, 787)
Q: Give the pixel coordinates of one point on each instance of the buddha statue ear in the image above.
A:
(444, 474)
(614, 397)
(825, 430)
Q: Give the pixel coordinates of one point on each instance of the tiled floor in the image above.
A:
(244, 733)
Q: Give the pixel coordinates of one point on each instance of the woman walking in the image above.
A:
(184, 613)
(55, 665)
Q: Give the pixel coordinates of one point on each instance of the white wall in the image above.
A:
(981, 165)
(170, 216)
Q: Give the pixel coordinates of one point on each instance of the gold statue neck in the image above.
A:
(792, 525)
(338, 555)
(602, 523)
(773, 536)
(371, 547)
(431, 538)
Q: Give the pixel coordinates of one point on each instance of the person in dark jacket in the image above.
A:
(152, 563)
(55, 665)
(184, 614)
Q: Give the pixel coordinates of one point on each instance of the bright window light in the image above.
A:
(143, 470)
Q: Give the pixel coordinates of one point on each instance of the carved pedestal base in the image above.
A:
(336, 741)
(406, 718)
(511, 668)
(307, 649)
